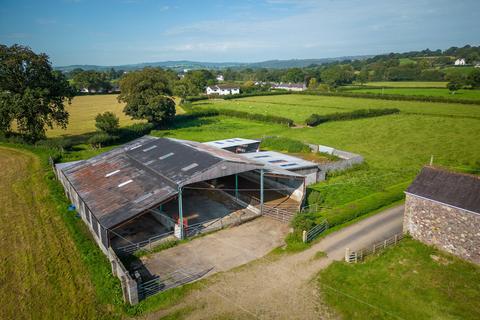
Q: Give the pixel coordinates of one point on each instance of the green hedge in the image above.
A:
(192, 114)
(364, 205)
(315, 119)
(391, 97)
(256, 94)
(284, 144)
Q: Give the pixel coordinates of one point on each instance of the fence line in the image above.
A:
(359, 255)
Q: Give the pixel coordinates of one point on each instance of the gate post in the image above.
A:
(304, 236)
(347, 254)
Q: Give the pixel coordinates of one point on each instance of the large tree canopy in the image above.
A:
(148, 95)
(31, 93)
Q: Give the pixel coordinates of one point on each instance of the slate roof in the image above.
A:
(119, 184)
(455, 189)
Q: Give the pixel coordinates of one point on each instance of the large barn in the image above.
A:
(153, 186)
(442, 208)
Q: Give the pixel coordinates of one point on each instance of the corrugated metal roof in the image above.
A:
(280, 160)
(455, 189)
(123, 182)
(233, 142)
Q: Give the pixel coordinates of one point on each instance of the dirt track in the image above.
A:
(281, 287)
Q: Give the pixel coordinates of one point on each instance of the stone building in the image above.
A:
(442, 208)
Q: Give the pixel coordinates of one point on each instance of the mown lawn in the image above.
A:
(409, 281)
(299, 107)
(42, 274)
(431, 92)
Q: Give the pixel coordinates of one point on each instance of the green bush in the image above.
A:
(284, 144)
(101, 139)
(136, 130)
(315, 119)
(195, 98)
(107, 122)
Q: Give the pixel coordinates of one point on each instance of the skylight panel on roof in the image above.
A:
(189, 167)
(218, 142)
(149, 162)
(166, 156)
(111, 173)
(149, 148)
(277, 161)
(135, 147)
(288, 165)
(264, 156)
(124, 183)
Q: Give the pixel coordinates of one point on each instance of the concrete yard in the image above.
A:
(216, 252)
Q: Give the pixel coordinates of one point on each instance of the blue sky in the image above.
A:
(112, 32)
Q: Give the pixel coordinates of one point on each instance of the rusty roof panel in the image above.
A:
(119, 184)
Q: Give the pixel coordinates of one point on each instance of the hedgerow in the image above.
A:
(398, 97)
(284, 144)
(315, 119)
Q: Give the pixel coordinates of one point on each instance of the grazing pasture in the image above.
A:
(430, 92)
(299, 107)
(42, 274)
(408, 281)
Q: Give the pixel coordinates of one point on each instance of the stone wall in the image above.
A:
(451, 229)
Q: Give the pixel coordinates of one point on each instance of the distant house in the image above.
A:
(290, 86)
(220, 78)
(223, 90)
(442, 208)
(460, 62)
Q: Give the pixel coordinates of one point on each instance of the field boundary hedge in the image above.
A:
(192, 114)
(315, 119)
(398, 97)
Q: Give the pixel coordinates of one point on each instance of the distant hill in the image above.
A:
(185, 64)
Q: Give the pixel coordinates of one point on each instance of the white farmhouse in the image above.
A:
(220, 78)
(223, 90)
(460, 62)
(290, 86)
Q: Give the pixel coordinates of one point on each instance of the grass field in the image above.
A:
(83, 111)
(408, 84)
(42, 275)
(432, 92)
(299, 107)
(395, 147)
(409, 281)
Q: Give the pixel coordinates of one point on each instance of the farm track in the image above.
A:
(42, 275)
(282, 287)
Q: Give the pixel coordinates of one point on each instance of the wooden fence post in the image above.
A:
(347, 254)
(304, 236)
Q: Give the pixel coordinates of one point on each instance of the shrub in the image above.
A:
(135, 131)
(101, 139)
(284, 144)
(315, 119)
(107, 122)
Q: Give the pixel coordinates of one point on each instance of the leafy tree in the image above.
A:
(337, 75)
(294, 75)
(31, 93)
(148, 95)
(184, 87)
(362, 76)
(454, 86)
(312, 84)
(91, 80)
(107, 122)
(199, 79)
(473, 79)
